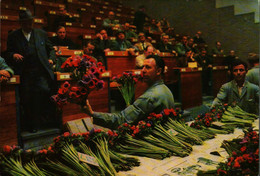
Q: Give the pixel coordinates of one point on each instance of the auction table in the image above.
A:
(189, 165)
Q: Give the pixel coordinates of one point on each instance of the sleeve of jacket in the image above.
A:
(140, 108)
(4, 66)
(221, 96)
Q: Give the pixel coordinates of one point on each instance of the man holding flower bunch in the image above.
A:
(239, 91)
(156, 98)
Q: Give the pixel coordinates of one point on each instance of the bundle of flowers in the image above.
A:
(86, 75)
(243, 156)
(127, 84)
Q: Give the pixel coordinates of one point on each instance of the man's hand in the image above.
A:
(50, 61)
(100, 36)
(88, 109)
(5, 73)
(106, 50)
(18, 57)
(131, 51)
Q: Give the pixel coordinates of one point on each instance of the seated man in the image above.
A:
(110, 22)
(217, 50)
(61, 39)
(89, 49)
(165, 46)
(155, 99)
(139, 60)
(142, 44)
(5, 71)
(129, 33)
(121, 44)
(239, 91)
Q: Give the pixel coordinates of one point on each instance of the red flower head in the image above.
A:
(125, 124)
(148, 125)
(7, 148)
(219, 171)
(236, 164)
(243, 149)
(66, 134)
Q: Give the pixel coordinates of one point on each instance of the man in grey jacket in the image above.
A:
(239, 91)
(155, 99)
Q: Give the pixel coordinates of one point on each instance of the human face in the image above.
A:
(150, 71)
(142, 37)
(184, 40)
(89, 49)
(239, 73)
(191, 41)
(104, 34)
(165, 39)
(111, 15)
(61, 33)
(149, 51)
(27, 25)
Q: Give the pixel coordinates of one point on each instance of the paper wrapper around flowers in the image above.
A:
(86, 77)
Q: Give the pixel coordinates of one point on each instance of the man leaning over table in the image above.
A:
(156, 98)
(5, 71)
(239, 90)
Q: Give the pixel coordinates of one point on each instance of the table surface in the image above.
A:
(165, 167)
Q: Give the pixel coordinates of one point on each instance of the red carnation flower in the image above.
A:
(66, 134)
(243, 149)
(7, 148)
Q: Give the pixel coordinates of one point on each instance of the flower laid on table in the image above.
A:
(127, 82)
(86, 73)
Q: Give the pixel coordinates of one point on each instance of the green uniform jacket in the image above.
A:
(4, 66)
(248, 100)
(155, 99)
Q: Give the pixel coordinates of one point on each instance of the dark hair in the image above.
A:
(159, 62)
(238, 62)
(59, 27)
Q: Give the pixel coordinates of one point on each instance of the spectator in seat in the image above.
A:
(33, 54)
(239, 91)
(139, 19)
(182, 47)
(155, 27)
(129, 33)
(142, 44)
(156, 98)
(252, 75)
(110, 23)
(217, 50)
(205, 61)
(121, 44)
(198, 39)
(165, 46)
(5, 71)
(102, 44)
(193, 46)
(89, 49)
(229, 59)
(139, 60)
(61, 39)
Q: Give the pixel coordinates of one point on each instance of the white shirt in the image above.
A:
(27, 35)
(240, 89)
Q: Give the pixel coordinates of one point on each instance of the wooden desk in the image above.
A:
(218, 60)
(8, 113)
(219, 77)
(119, 61)
(99, 100)
(190, 85)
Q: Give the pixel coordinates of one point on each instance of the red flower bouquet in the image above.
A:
(86, 73)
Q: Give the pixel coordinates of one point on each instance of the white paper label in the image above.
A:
(64, 76)
(77, 52)
(87, 159)
(12, 80)
(110, 53)
(172, 132)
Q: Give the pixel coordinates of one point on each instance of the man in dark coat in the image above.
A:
(32, 55)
